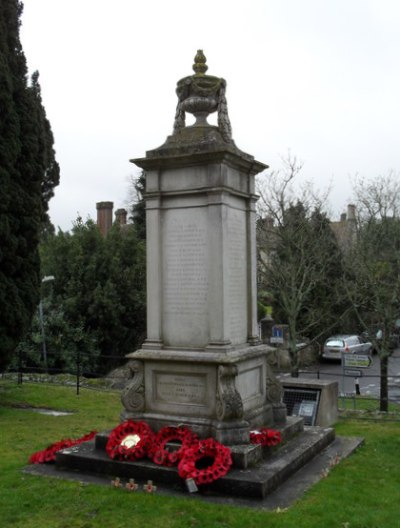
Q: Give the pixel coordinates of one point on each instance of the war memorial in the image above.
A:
(202, 365)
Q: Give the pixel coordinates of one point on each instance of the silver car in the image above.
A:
(349, 344)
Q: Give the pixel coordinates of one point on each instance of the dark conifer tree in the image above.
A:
(28, 174)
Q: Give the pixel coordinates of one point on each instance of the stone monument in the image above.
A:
(202, 363)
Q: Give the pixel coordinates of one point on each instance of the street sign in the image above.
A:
(353, 372)
(356, 360)
(277, 335)
(276, 339)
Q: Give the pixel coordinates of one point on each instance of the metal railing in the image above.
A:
(354, 396)
(76, 375)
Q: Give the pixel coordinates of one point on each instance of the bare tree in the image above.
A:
(135, 202)
(373, 267)
(299, 259)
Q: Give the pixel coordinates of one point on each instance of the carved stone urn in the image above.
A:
(201, 95)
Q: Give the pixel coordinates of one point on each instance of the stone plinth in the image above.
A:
(327, 414)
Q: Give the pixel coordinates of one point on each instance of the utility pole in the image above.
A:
(47, 278)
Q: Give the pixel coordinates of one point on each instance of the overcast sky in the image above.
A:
(318, 77)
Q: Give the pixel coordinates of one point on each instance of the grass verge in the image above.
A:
(360, 492)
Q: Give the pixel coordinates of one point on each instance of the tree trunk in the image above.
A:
(384, 394)
(294, 358)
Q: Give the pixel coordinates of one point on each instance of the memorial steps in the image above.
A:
(300, 445)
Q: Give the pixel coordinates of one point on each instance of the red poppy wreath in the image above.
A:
(161, 455)
(194, 457)
(48, 455)
(129, 441)
(265, 437)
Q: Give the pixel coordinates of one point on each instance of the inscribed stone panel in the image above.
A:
(180, 389)
(185, 277)
(184, 388)
(250, 384)
(237, 275)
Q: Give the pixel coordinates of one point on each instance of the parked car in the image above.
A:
(348, 344)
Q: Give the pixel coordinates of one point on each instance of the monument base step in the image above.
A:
(253, 482)
(243, 456)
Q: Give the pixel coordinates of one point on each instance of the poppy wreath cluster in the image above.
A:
(48, 455)
(265, 437)
(115, 446)
(204, 461)
(209, 448)
(186, 457)
(161, 455)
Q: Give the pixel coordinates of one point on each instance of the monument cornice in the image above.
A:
(230, 355)
(220, 190)
(231, 157)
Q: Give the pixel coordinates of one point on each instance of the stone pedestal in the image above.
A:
(218, 395)
(202, 363)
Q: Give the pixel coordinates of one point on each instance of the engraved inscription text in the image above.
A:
(181, 388)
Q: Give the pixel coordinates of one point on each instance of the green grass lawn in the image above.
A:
(361, 492)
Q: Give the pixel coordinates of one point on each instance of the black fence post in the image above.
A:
(19, 378)
(78, 369)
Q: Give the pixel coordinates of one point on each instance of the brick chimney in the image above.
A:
(269, 222)
(104, 216)
(120, 216)
(351, 212)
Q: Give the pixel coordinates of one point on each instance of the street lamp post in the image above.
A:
(47, 278)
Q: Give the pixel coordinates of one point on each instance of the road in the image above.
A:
(369, 381)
